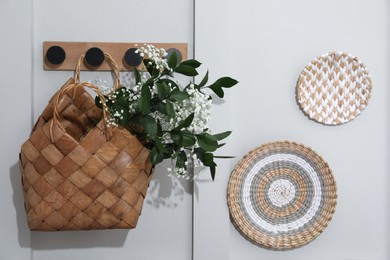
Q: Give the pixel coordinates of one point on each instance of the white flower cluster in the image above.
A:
(192, 163)
(200, 104)
(132, 93)
(103, 85)
(197, 102)
(157, 55)
(106, 90)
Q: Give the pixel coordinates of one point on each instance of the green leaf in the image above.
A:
(156, 156)
(212, 172)
(159, 129)
(225, 82)
(223, 157)
(206, 146)
(220, 145)
(160, 146)
(188, 140)
(125, 117)
(172, 60)
(178, 95)
(208, 160)
(169, 82)
(144, 100)
(162, 90)
(181, 159)
(98, 102)
(150, 81)
(204, 80)
(122, 101)
(169, 108)
(186, 70)
(137, 76)
(162, 108)
(167, 155)
(193, 63)
(223, 135)
(150, 66)
(185, 123)
(177, 139)
(208, 142)
(217, 90)
(149, 124)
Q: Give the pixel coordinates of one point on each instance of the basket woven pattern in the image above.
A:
(334, 88)
(77, 176)
(281, 195)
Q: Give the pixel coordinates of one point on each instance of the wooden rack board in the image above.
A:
(74, 50)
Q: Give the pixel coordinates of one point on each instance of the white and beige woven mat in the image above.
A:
(334, 88)
(281, 195)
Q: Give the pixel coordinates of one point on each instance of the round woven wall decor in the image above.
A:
(281, 195)
(334, 88)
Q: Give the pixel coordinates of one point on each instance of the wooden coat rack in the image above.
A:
(64, 55)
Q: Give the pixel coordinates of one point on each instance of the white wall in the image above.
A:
(15, 88)
(166, 220)
(265, 45)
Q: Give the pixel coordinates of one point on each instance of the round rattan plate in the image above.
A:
(334, 88)
(281, 195)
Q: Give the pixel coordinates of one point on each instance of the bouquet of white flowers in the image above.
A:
(168, 118)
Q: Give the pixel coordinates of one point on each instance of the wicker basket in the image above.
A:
(78, 176)
(281, 195)
(81, 98)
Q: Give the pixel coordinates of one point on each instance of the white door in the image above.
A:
(265, 45)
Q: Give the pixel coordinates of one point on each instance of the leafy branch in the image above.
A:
(153, 110)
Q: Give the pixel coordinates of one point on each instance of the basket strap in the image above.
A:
(59, 96)
(109, 60)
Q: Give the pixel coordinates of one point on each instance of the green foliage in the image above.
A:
(187, 70)
(144, 101)
(172, 60)
(160, 93)
(178, 95)
(225, 82)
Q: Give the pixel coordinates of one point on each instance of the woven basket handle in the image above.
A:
(109, 60)
(61, 93)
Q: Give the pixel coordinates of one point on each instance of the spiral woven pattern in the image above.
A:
(281, 195)
(334, 88)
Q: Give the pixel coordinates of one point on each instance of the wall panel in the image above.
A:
(265, 45)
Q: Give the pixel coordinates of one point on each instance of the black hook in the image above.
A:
(55, 55)
(94, 57)
(132, 58)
